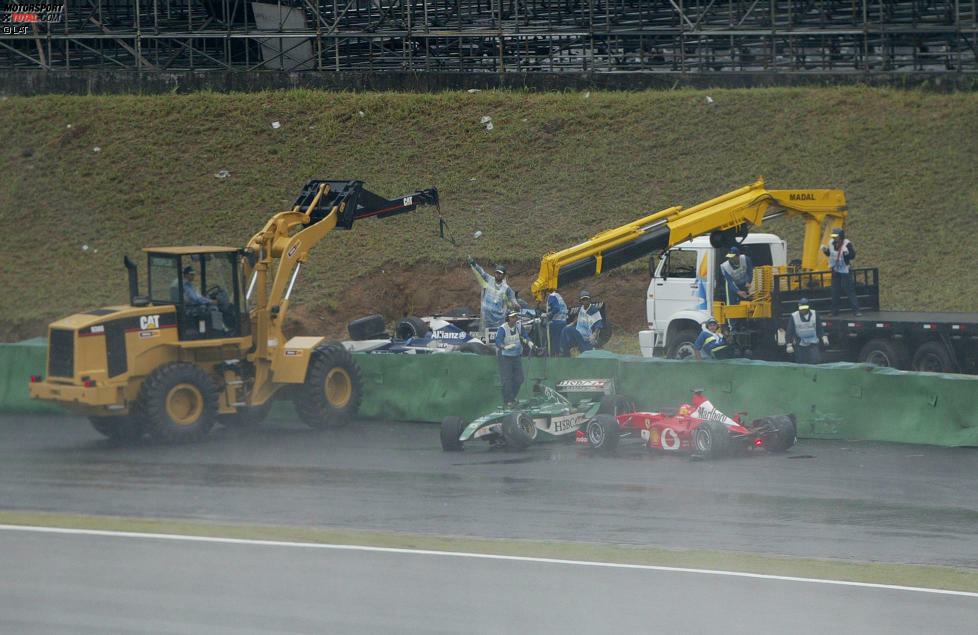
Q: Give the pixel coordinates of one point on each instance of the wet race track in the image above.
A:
(864, 501)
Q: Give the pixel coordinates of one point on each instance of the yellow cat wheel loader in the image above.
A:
(204, 344)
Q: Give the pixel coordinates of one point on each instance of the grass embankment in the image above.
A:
(554, 170)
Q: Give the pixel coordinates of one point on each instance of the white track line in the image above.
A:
(484, 556)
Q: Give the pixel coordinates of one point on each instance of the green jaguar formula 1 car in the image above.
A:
(550, 415)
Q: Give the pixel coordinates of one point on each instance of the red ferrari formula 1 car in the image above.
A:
(697, 428)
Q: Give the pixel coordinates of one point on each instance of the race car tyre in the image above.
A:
(333, 389)
(932, 357)
(409, 327)
(681, 344)
(711, 439)
(178, 402)
(616, 405)
(451, 429)
(123, 429)
(519, 430)
(884, 352)
(783, 434)
(477, 347)
(371, 327)
(245, 417)
(602, 433)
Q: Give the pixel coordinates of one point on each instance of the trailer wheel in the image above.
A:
(711, 439)
(932, 357)
(602, 433)
(333, 388)
(178, 402)
(884, 352)
(519, 430)
(409, 327)
(123, 429)
(681, 346)
(451, 429)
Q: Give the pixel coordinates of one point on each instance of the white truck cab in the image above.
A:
(686, 282)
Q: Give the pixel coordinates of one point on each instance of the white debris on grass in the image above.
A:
(223, 174)
(96, 149)
(361, 113)
(474, 90)
(709, 99)
(276, 125)
(587, 95)
(84, 247)
(485, 119)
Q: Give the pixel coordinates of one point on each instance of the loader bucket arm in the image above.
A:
(275, 254)
(355, 202)
(726, 218)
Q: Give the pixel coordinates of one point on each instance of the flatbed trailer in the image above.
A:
(942, 342)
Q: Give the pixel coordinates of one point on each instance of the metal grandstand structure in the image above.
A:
(497, 36)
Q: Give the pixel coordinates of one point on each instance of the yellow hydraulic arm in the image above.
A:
(288, 236)
(726, 218)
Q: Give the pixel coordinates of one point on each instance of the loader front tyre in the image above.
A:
(122, 429)
(333, 389)
(178, 403)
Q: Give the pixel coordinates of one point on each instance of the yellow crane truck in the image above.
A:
(687, 245)
(179, 358)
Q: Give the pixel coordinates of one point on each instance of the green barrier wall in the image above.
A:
(432, 387)
(845, 401)
(832, 401)
(17, 363)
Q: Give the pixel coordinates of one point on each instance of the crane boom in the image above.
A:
(726, 218)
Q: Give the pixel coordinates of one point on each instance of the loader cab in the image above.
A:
(213, 274)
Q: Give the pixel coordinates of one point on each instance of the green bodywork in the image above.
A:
(554, 415)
